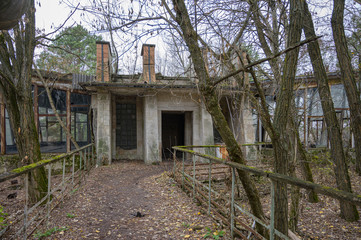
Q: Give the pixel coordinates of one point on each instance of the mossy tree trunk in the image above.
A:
(269, 50)
(212, 104)
(16, 55)
(302, 157)
(347, 75)
(348, 211)
(282, 114)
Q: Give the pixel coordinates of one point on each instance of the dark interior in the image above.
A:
(172, 132)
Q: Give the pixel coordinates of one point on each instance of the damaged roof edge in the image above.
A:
(134, 85)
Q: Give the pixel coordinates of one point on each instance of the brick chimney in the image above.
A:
(148, 63)
(103, 68)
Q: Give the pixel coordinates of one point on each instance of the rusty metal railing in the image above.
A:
(331, 192)
(74, 166)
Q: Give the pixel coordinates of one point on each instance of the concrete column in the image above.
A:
(104, 133)
(206, 129)
(151, 131)
(249, 132)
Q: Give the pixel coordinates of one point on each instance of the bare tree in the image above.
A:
(16, 56)
(348, 211)
(347, 75)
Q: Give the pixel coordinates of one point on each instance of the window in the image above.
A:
(126, 126)
(80, 128)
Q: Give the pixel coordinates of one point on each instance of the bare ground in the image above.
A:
(106, 207)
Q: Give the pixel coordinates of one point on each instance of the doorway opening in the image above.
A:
(173, 126)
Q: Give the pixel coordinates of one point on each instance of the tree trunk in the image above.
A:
(302, 156)
(212, 105)
(348, 211)
(21, 116)
(284, 100)
(16, 55)
(347, 75)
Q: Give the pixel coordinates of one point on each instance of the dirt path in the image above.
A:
(105, 207)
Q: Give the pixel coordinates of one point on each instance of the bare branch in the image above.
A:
(48, 92)
(245, 68)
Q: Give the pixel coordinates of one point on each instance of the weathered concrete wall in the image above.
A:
(151, 152)
(249, 132)
(134, 154)
(103, 131)
(206, 130)
(198, 122)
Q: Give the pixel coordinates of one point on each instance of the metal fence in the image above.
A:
(64, 173)
(189, 182)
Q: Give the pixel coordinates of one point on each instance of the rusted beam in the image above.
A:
(68, 121)
(36, 106)
(2, 124)
(328, 191)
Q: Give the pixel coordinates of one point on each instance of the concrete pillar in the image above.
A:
(104, 133)
(151, 127)
(249, 132)
(206, 129)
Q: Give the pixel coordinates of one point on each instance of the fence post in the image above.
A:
(183, 171)
(63, 180)
(93, 158)
(194, 177)
(80, 166)
(72, 170)
(232, 202)
(174, 159)
(26, 180)
(48, 201)
(272, 223)
(85, 160)
(209, 186)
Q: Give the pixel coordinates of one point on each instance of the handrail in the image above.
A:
(274, 177)
(25, 169)
(328, 191)
(36, 211)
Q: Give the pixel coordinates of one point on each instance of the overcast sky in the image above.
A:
(52, 13)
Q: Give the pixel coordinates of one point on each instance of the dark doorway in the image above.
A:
(172, 132)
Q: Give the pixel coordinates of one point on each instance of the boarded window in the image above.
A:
(126, 133)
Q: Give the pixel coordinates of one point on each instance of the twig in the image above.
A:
(68, 133)
(245, 68)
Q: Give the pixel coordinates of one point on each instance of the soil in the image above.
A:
(130, 200)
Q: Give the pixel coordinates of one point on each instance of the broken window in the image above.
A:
(10, 141)
(51, 135)
(80, 128)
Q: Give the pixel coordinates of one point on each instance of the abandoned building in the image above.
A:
(72, 104)
(142, 116)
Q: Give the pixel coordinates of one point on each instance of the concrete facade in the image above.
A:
(103, 128)
(198, 125)
(151, 152)
(163, 112)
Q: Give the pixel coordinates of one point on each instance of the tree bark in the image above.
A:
(348, 211)
(347, 76)
(212, 105)
(302, 156)
(16, 55)
(284, 100)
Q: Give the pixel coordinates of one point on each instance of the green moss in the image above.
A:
(21, 169)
